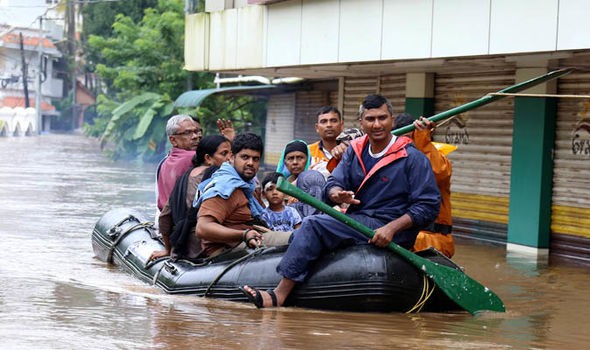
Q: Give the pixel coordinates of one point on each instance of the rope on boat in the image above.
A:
(252, 254)
(156, 275)
(427, 291)
(114, 231)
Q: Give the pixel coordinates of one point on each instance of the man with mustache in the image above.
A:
(390, 187)
(184, 133)
(228, 209)
(328, 125)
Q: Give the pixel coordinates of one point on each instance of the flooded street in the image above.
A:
(55, 295)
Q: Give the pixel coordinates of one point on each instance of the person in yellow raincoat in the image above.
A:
(438, 234)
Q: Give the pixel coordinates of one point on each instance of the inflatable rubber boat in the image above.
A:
(358, 278)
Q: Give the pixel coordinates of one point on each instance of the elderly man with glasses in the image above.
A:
(184, 133)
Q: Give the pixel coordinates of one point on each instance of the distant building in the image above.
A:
(12, 76)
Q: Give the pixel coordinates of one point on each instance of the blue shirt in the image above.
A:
(283, 220)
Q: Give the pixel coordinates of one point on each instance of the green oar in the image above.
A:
(489, 98)
(462, 289)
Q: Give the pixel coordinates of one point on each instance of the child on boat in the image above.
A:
(277, 215)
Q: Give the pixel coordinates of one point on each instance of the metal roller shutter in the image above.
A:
(481, 165)
(333, 98)
(393, 87)
(355, 90)
(279, 126)
(571, 183)
(306, 106)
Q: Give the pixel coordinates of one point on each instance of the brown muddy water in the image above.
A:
(55, 295)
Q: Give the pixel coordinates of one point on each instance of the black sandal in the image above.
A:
(257, 300)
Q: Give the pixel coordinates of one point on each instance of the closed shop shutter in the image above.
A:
(570, 214)
(333, 99)
(355, 90)
(393, 87)
(481, 165)
(279, 126)
(307, 104)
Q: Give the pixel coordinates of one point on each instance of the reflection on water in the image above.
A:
(55, 295)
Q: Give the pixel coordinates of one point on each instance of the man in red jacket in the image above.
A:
(389, 186)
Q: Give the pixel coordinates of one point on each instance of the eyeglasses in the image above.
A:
(189, 132)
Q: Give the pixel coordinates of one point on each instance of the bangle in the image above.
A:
(245, 234)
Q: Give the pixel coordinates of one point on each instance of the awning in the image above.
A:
(194, 98)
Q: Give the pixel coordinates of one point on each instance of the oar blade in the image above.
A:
(464, 290)
(458, 286)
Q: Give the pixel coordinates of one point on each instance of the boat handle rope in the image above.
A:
(156, 275)
(116, 229)
(120, 235)
(252, 254)
(427, 291)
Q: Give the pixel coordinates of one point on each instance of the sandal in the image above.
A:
(257, 300)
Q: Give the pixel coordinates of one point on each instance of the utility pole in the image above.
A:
(24, 64)
(38, 93)
(71, 19)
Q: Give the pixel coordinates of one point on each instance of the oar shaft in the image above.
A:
(488, 98)
(305, 197)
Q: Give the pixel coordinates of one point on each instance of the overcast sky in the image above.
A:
(22, 13)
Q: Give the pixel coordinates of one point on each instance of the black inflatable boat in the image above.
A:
(358, 278)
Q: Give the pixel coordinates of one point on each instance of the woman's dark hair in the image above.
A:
(247, 141)
(208, 145)
(209, 172)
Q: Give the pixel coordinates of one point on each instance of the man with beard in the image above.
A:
(228, 209)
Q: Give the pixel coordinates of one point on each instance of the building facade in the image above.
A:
(25, 55)
(519, 173)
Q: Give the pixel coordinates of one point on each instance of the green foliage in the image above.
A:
(135, 128)
(247, 113)
(140, 62)
(100, 16)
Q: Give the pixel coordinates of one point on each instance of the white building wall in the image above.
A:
(361, 25)
(283, 34)
(320, 28)
(460, 27)
(407, 29)
(574, 24)
(300, 32)
(524, 26)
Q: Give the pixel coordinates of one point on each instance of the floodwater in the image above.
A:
(55, 295)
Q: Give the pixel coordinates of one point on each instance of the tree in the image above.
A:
(141, 67)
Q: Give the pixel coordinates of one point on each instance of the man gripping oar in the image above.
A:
(390, 187)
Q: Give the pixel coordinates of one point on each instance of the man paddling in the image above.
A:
(389, 186)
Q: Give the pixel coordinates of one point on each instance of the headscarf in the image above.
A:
(295, 145)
